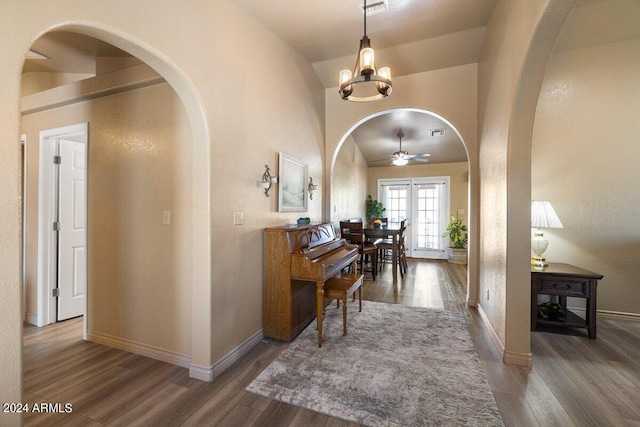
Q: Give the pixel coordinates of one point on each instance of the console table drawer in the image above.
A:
(564, 287)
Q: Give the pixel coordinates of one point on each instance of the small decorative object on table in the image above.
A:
(304, 220)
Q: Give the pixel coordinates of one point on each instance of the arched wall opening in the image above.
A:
(472, 217)
(509, 81)
(198, 320)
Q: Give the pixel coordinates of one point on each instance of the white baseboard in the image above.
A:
(204, 373)
(208, 373)
(606, 313)
(140, 348)
(508, 357)
(519, 359)
(618, 315)
(31, 319)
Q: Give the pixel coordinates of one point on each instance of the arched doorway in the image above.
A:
(419, 123)
(194, 180)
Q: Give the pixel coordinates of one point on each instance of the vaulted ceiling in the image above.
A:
(412, 36)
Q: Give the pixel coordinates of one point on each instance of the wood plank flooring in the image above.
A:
(575, 381)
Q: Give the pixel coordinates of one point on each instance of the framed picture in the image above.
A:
(292, 176)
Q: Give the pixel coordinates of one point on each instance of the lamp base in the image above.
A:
(539, 261)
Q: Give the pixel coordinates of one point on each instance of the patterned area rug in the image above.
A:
(398, 366)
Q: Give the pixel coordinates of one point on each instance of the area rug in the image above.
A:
(398, 366)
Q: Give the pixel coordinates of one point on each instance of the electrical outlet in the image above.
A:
(487, 294)
(238, 218)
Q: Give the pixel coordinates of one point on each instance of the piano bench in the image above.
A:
(342, 287)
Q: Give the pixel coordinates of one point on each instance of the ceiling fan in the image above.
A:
(401, 158)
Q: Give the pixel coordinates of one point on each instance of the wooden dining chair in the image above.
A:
(386, 246)
(353, 232)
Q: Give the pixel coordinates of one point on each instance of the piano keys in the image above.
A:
(297, 262)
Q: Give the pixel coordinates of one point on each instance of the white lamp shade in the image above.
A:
(543, 215)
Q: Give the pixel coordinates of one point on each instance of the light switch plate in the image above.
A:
(166, 217)
(238, 218)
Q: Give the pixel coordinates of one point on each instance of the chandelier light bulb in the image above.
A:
(345, 76)
(385, 73)
(367, 61)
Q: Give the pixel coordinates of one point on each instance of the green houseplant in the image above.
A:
(457, 233)
(374, 208)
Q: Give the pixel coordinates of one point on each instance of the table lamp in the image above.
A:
(542, 216)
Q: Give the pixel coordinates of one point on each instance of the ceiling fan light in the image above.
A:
(400, 161)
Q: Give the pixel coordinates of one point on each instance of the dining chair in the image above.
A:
(386, 246)
(376, 240)
(353, 232)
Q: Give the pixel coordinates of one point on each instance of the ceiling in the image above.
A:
(327, 34)
(377, 138)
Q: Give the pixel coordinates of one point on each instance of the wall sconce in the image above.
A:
(312, 187)
(268, 180)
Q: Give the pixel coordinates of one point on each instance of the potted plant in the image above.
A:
(374, 209)
(457, 233)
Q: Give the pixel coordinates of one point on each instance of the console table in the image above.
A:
(565, 280)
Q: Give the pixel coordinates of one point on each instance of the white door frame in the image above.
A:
(412, 208)
(23, 143)
(47, 200)
(445, 204)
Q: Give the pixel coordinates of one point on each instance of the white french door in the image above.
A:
(425, 202)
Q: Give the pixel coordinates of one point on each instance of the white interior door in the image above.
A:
(72, 235)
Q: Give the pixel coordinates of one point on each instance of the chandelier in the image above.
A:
(364, 84)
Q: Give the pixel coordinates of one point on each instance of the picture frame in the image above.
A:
(292, 177)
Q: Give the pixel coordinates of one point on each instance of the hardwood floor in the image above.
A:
(575, 381)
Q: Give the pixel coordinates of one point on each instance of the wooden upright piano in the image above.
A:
(297, 262)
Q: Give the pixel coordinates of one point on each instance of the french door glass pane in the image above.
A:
(428, 223)
(395, 201)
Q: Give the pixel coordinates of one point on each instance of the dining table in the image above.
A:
(387, 231)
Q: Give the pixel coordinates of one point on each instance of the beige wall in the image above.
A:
(257, 112)
(518, 43)
(139, 166)
(585, 161)
(33, 82)
(349, 189)
(458, 172)
(241, 117)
